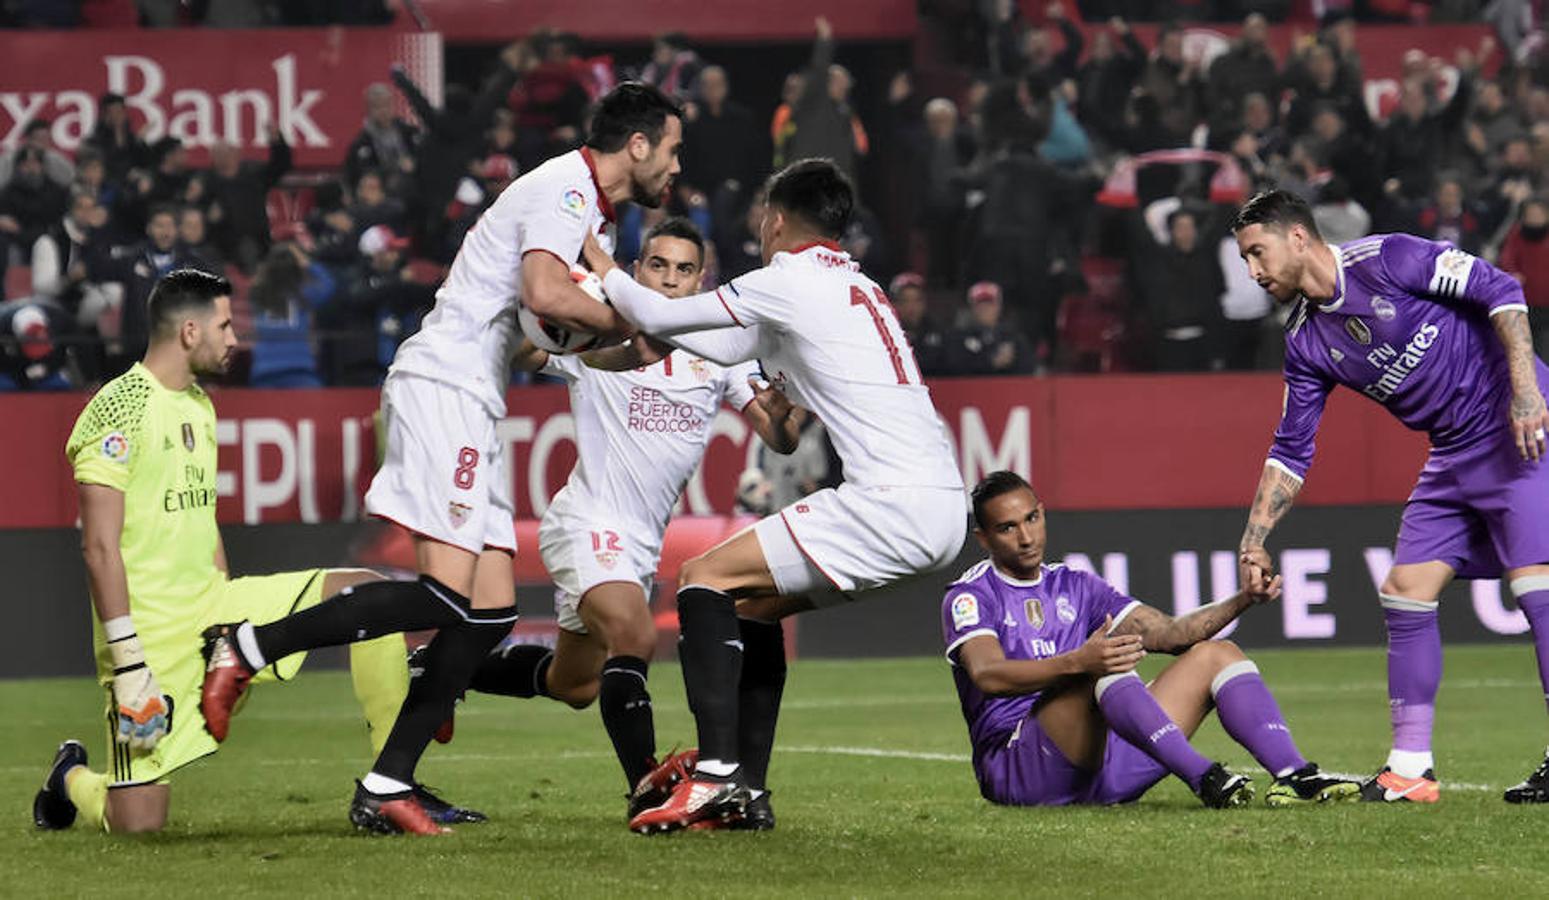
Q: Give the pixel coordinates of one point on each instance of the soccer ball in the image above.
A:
(557, 338)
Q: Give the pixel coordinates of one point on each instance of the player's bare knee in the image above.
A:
(576, 696)
(636, 638)
(1216, 653)
(128, 819)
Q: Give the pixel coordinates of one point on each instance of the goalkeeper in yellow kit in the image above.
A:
(144, 456)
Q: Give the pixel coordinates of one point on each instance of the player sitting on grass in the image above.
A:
(1044, 658)
(143, 452)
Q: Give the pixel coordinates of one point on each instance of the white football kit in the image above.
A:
(445, 475)
(639, 436)
(827, 335)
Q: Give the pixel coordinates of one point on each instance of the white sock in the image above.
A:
(381, 784)
(1284, 772)
(716, 767)
(247, 644)
(1410, 763)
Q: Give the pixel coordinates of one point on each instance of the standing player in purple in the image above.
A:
(1044, 658)
(1441, 339)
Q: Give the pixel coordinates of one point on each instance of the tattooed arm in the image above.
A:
(1161, 633)
(1278, 488)
(1529, 418)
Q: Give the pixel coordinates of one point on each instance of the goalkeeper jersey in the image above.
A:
(157, 446)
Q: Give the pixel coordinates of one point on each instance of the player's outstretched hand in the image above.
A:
(1105, 654)
(596, 258)
(1254, 567)
(1529, 420)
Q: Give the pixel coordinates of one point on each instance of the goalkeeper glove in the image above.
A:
(144, 713)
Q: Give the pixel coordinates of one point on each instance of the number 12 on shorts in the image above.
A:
(606, 541)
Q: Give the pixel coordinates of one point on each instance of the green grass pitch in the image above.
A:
(872, 789)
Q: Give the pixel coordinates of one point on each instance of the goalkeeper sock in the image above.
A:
(379, 671)
(88, 790)
(357, 613)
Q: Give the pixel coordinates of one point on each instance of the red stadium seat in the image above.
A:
(18, 282)
(1092, 326)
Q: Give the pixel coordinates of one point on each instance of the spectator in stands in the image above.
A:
(30, 204)
(782, 128)
(91, 174)
(1248, 67)
(1066, 144)
(1018, 227)
(386, 143)
(1525, 255)
(38, 136)
(1258, 120)
(373, 205)
(1339, 216)
(1039, 60)
(945, 153)
(68, 260)
(454, 136)
(238, 197)
(1497, 119)
(1515, 178)
(113, 137)
(1414, 137)
(138, 271)
(550, 99)
(476, 190)
(929, 341)
(723, 149)
(1174, 83)
(1348, 154)
(1245, 309)
(1106, 79)
(1449, 218)
(374, 312)
(1003, 32)
(288, 289)
(809, 468)
(1317, 81)
(825, 123)
(194, 241)
(331, 228)
(737, 246)
(1181, 283)
(674, 67)
(986, 345)
(31, 356)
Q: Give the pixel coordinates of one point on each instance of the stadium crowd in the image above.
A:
(1060, 209)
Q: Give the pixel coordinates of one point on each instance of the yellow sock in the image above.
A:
(379, 669)
(88, 790)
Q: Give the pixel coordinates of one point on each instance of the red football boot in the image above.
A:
(399, 813)
(695, 799)
(226, 676)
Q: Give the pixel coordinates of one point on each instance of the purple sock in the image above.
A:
(1250, 715)
(1414, 670)
(1133, 714)
(1533, 597)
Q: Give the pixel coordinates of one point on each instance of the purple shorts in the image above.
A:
(1031, 771)
(1483, 513)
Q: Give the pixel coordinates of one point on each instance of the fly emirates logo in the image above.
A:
(1396, 367)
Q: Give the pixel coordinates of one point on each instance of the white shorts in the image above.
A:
(583, 546)
(848, 541)
(445, 476)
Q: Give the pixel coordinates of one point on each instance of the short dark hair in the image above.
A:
(1276, 209)
(815, 191)
(631, 108)
(994, 485)
(675, 227)
(180, 291)
(37, 125)
(161, 209)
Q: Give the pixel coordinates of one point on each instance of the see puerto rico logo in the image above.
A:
(116, 447)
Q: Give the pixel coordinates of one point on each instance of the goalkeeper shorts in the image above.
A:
(179, 669)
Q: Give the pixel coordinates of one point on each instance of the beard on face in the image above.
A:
(642, 196)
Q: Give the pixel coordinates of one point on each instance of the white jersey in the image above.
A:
(830, 338)
(640, 434)
(468, 339)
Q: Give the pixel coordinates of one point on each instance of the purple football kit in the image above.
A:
(1016, 763)
(1409, 327)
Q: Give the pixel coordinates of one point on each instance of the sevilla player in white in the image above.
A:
(446, 477)
(827, 336)
(641, 431)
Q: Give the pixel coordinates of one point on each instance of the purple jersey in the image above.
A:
(1409, 327)
(1050, 615)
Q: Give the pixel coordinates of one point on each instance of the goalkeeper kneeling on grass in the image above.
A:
(144, 457)
(1044, 658)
